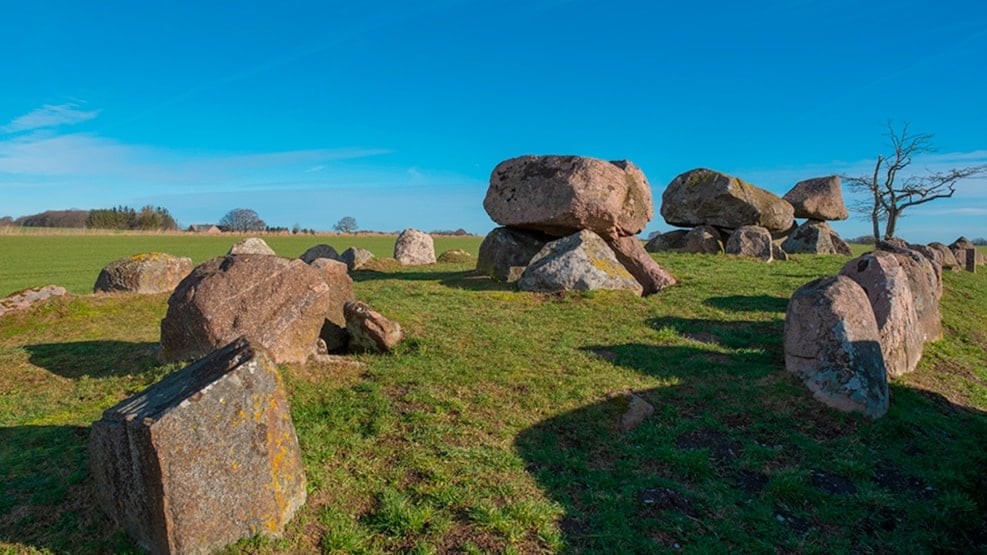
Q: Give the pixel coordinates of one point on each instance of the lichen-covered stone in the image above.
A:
(146, 273)
(580, 262)
(27, 297)
(454, 256)
(926, 286)
(832, 343)
(414, 248)
(203, 458)
(560, 195)
(707, 197)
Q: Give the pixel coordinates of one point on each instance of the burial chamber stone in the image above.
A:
(203, 458)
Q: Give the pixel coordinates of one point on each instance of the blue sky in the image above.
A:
(396, 112)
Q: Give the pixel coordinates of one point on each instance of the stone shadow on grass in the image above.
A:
(749, 303)
(469, 279)
(744, 459)
(47, 500)
(95, 359)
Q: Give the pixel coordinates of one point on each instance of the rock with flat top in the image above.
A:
(708, 197)
(203, 458)
(146, 273)
(820, 198)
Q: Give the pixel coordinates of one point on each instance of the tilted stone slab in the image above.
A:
(631, 254)
(203, 458)
(833, 344)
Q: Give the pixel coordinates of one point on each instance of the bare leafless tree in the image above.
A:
(890, 189)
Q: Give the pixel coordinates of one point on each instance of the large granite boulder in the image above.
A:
(369, 330)
(505, 252)
(414, 248)
(356, 257)
(251, 245)
(751, 240)
(707, 197)
(580, 262)
(926, 286)
(886, 285)
(145, 273)
(820, 198)
(669, 241)
(319, 251)
(630, 252)
(832, 343)
(815, 237)
(703, 239)
(279, 303)
(560, 195)
(203, 458)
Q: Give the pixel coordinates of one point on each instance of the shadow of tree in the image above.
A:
(96, 359)
(738, 457)
(47, 501)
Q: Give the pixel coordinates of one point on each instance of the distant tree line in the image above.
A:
(122, 217)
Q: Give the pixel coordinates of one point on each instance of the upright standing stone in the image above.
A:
(356, 257)
(886, 285)
(833, 344)
(505, 252)
(971, 260)
(203, 458)
(751, 240)
(414, 248)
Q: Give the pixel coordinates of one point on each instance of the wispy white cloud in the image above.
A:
(49, 116)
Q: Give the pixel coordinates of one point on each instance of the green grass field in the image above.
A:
(493, 429)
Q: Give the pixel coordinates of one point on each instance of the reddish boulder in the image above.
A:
(369, 330)
(280, 304)
(751, 240)
(886, 285)
(820, 198)
(561, 195)
(630, 252)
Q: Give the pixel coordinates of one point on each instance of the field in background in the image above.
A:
(73, 260)
(493, 428)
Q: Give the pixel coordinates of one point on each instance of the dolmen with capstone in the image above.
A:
(542, 199)
(145, 273)
(204, 458)
(845, 335)
(714, 205)
(414, 248)
(961, 246)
